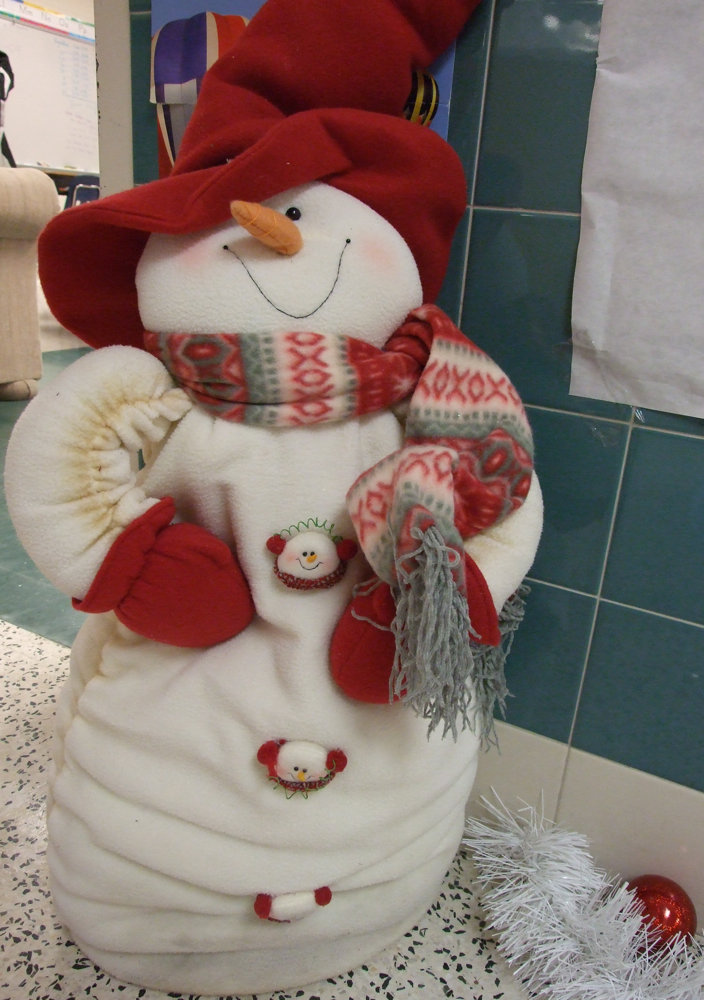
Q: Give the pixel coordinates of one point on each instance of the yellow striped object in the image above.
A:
(423, 99)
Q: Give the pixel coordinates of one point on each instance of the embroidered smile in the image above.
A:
(285, 312)
(308, 568)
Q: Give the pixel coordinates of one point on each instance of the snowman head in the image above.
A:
(351, 273)
(300, 760)
(301, 765)
(288, 110)
(310, 558)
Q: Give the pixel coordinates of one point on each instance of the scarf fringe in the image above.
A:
(438, 671)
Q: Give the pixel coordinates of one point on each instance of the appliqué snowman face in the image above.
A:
(354, 275)
(300, 765)
(311, 559)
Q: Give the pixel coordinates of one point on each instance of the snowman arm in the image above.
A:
(72, 468)
(74, 494)
(173, 583)
(505, 552)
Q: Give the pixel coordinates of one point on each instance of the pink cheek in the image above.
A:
(380, 257)
(197, 257)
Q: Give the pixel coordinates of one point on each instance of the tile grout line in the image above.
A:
(597, 603)
(649, 611)
(693, 435)
(553, 212)
(616, 604)
(482, 107)
(475, 165)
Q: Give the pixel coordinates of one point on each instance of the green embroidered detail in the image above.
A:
(311, 524)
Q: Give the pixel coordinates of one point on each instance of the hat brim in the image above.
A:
(88, 254)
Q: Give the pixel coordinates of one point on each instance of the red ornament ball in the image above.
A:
(666, 907)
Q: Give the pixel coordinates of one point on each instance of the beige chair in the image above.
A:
(28, 200)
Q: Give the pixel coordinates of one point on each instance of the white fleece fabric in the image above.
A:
(164, 827)
(72, 461)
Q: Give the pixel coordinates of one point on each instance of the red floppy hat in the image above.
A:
(288, 104)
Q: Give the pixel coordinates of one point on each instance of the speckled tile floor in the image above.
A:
(448, 955)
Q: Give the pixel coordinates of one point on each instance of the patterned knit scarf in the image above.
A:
(465, 464)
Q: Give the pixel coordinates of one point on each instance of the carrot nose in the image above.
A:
(268, 226)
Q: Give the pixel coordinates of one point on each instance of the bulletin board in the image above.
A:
(51, 115)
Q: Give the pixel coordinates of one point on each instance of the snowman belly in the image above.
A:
(247, 483)
(164, 825)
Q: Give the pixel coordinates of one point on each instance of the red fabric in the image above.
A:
(268, 754)
(323, 895)
(275, 112)
(336, 761)
(362, 654)
(482, 612)
(347, 549)
(292, 53)
(174, 583)
(262, 906)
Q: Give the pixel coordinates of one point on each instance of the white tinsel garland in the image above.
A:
(567, 930)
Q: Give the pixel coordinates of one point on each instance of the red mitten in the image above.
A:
(482, 612)
(174, 583)
(363, 647)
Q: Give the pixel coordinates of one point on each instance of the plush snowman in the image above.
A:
(296, 504)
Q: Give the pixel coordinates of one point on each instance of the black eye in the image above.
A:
(293, 213)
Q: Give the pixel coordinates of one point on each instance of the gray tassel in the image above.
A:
(487, 674)
(437, 666)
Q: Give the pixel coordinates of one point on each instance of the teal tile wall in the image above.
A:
(610, 657)
(145, 157)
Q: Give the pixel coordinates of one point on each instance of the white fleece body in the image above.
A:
(164, 827)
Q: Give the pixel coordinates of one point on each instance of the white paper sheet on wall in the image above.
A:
(638, 301)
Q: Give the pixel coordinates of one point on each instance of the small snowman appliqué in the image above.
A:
(300, 765)
(309, 556)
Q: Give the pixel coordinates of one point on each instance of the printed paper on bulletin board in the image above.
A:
(638, 303)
